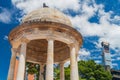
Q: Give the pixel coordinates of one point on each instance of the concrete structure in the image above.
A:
(106, 56)
(45, 36)
(115, 74)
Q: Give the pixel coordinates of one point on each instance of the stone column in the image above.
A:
(62, 71)
(50, 60)
(21, 65)
(73, 63)
(12, 65)
(41, 77)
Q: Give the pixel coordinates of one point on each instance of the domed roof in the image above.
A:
(48, 15)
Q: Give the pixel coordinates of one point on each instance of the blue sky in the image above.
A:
(96, 20)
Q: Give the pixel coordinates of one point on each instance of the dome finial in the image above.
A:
(44, 5)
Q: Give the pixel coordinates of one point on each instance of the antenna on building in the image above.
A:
(44, 5)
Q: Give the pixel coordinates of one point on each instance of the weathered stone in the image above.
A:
(21, 65)
(62, 71)
(12, 65)
(47, 34)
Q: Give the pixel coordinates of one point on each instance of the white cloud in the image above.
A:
(29, 5)
(5, 37)
(97, 57)
(113, 59)
(84, 52)
(118, 58)
(105, 30)
(115, 64)
(116, 19)
(112, 36)
(5, 15)
(98, 61)
(114, 55)
(67, 64)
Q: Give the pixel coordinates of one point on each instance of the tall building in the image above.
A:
(106, 56)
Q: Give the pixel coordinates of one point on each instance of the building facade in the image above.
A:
(115, 74)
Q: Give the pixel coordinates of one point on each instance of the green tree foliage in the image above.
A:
(88, 70)
(67, 73)
(32, 68)
(57, 73)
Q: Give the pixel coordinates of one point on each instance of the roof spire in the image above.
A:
(44, 5)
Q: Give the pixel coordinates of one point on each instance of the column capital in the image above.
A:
(74, 45)
(14, 49)
(21, 65)
(41, 63)
(50, 38)
(71, 45)
(62, 62)
(25, 40)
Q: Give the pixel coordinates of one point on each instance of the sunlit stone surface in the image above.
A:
(50, 38)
